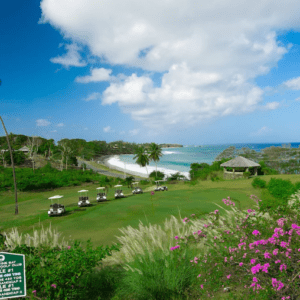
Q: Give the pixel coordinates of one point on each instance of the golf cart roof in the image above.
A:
(100, 188)
(117, 185)
(82, 191)
(55, 197)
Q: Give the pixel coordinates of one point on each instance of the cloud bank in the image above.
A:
(208, 54)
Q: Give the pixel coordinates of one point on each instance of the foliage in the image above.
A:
(258, 182)
(246, 174)
(46, 178)
(18, 156)
(45, 267)
(128, 181)
(280, 188)
(144, 182)
(176, 176)
(214, 177)
(266, 170)
(160, 175)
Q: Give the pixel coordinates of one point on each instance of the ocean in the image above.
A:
(179, 159)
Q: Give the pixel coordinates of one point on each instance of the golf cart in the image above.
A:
(83, 200)
(101, 196)
(56, 209)
(137, 189)
(159, 187)
(118, 193)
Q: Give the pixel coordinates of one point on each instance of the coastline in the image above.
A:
(114, 162)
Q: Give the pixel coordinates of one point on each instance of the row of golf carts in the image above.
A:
(59, 209)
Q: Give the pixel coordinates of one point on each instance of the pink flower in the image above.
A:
(255, 279)
(256, 232)
(152, 193)
(282, 267)
(199, 275)
(228, 276)
(69, 247)
(252, 261)
(53, 285)
(240, 264)
(267, 255)
(225, 259)
(34, 292)
(201, 286)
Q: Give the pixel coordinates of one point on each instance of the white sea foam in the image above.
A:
(116, 162)
(170, 152)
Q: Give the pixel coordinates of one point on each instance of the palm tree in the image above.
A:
(142, 158)
(13, 167)
(155, 152)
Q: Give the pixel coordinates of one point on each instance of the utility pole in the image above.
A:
(13, 167)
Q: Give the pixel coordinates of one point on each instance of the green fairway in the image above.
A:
(101, 221)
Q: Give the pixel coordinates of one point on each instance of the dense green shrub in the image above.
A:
(18, 156)
(160, 175)
(144, 182)
(46, 266)
(46, 178)
(264, 170)
(258, 182)
(175, 176)
(280, 188)
(246, 174)
(297, 186)
(271, 204)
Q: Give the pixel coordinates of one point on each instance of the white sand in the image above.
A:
(135, 169)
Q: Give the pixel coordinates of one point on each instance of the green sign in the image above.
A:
(12, 275)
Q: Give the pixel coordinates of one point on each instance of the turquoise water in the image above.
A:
(181, 158)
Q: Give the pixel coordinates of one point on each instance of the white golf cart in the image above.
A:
(56, 209)
(159, 187)
(137, 190)
(101, 196)
(118, 192)
(83, 200)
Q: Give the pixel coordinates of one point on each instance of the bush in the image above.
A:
(18, 156)
(297, 186)
(160, 175)
(257, 182)
(144, 182)
(246, 174)
(45, 266)
(280, 188)
(271, 204)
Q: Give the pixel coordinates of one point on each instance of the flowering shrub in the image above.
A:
(265, 260)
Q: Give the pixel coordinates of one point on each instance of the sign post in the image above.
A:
(12, 275)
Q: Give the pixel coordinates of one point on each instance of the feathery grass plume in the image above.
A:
(44, 237)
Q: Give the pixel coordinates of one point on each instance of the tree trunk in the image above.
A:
(66, 162)
(13, 167)
(156, 168)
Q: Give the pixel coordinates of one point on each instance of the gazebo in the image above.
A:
(239, 163)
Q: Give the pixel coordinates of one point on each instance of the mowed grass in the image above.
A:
(101, 222)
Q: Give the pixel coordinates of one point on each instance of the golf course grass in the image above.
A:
(101, 221)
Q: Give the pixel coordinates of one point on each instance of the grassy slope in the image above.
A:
(102, 221)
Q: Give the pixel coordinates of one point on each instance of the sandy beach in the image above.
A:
(114, 162)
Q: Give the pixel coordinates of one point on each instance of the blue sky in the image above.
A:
(160, 71)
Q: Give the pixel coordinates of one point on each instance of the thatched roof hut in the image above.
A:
(240, 162)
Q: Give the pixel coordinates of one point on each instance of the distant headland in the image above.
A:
(170, 145)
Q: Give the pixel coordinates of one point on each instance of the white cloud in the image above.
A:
(42, 122)
(272, 105)
(97, 75)
(54, 131)
(297, 99)
(107, 129)
(60, 125)
(85, 128)
(262, 131)
(134, 131)
(208, 54)
(93, 96)
(72, 58)
(293, 84)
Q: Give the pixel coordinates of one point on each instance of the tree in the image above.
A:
(2, 156)
(19, 157)
(13, 167)
(142, 158)
(155, 152)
